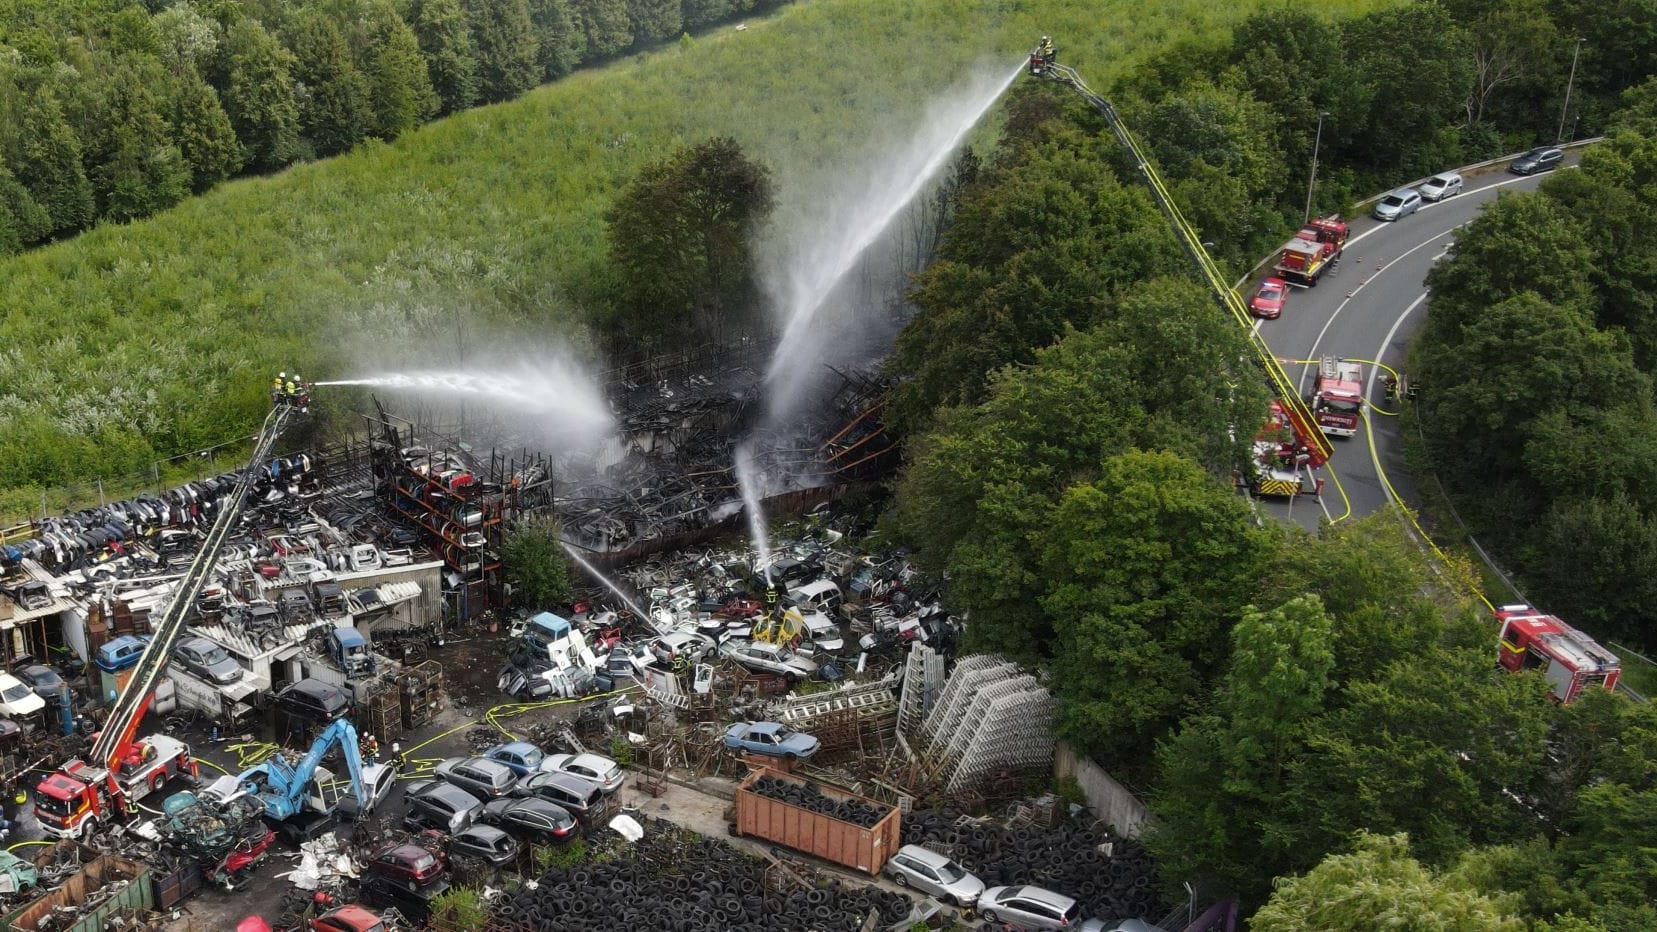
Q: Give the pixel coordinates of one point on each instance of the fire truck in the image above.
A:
(1282, 465)
(1314, 251)
(1569, 660)
(73, 801)
(1337, 397)
(82, 795)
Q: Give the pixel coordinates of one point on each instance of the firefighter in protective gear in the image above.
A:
(1045, 49)
(370, 750)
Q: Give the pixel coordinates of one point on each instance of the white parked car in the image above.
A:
(17, 699)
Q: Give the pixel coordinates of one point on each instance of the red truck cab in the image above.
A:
(1568, 659)
(1338, 396)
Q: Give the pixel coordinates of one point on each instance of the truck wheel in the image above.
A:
(156, 780)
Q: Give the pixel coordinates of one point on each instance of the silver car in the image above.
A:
(594, 768)
(208, 661)
(1398, 204)
(931, 872)
(1029, 907)
(484, 778)
(775, 659)
(1440, 186)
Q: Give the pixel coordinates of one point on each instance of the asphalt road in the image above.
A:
(1370, 308)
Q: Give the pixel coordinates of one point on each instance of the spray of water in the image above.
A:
(803, 284)
(557, 392)
(608, 584)
(748, 481)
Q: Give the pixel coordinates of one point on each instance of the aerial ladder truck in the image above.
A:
(85, 794)
(1290, 446)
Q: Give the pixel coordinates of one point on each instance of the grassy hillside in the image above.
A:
(139, 341)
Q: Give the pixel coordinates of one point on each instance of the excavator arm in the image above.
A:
(1307, 434)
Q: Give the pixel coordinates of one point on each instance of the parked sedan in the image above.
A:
(1268, 298)
(1440, 186)
(486, 843)
(537, 821)
(208, 661)
(931, 872)
(484, 778)
(1029, 907)
(42, 679)
(122, 652)
(17, 700)
(1538, 160)
(521, 756)
(772, 738)
(439, 805)
(775, 659)
(594, 768)
(1398, 205)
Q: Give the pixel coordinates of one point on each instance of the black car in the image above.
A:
(1538, 160)
(438, 805)
(536, 821)
(486, 843)
(581, 798)
(314, 701)
(42, 679)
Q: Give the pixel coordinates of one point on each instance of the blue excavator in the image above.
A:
(292, 807)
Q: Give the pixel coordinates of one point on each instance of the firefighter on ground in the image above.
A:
(397, 755)
(370, 750)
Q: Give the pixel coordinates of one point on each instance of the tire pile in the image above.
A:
(1065, 860)
(808, 796)
(677, 882)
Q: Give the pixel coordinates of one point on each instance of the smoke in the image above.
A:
(802, 284)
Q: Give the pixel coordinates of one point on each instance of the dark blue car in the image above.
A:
(122, 652)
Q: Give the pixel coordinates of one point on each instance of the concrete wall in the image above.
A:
(1111, 801)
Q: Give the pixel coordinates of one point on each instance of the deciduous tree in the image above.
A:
(683, 232)
(654, 20)
(534, 565)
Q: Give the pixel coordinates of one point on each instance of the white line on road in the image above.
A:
(1426, 207)
(1369, 386)
(1313, 352)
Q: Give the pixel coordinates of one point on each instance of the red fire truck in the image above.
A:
(1337, 396)
(74, 801)
(1569, 660)
(1313, 252)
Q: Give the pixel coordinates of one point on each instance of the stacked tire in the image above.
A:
(807, 796)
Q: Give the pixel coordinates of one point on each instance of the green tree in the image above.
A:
(506, 47)
(22, 221)
(186, 37)
(205, 136)
(562, 43)
(451, 57)
(683, 233)
(699, 13)
(1145, 569)
(400, 90)
(1522, 242)
(1379, 885)
(45, 155)
(533, 561)
(1416, 88)
(254, 77)
(132, 162)
(655, 20)
(335, 100)
(609, 31)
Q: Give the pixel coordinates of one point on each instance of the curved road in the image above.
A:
(1369, 308)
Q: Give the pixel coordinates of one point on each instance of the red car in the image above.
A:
(1268, 298)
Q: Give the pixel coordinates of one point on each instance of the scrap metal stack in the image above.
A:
(990, 717)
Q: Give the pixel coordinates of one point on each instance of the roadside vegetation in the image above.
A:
(1076, 409)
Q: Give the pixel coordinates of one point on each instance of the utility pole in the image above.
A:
(1560, 136)
(1312, 182)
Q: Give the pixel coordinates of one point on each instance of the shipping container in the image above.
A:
(114, 884)
(844, 843)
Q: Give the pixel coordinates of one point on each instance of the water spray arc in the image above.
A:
(816, 271)
(608, 584)
(557, 389)
(748, 482)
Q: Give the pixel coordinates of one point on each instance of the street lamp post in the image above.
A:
(1560, 136)
(1312, 182)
